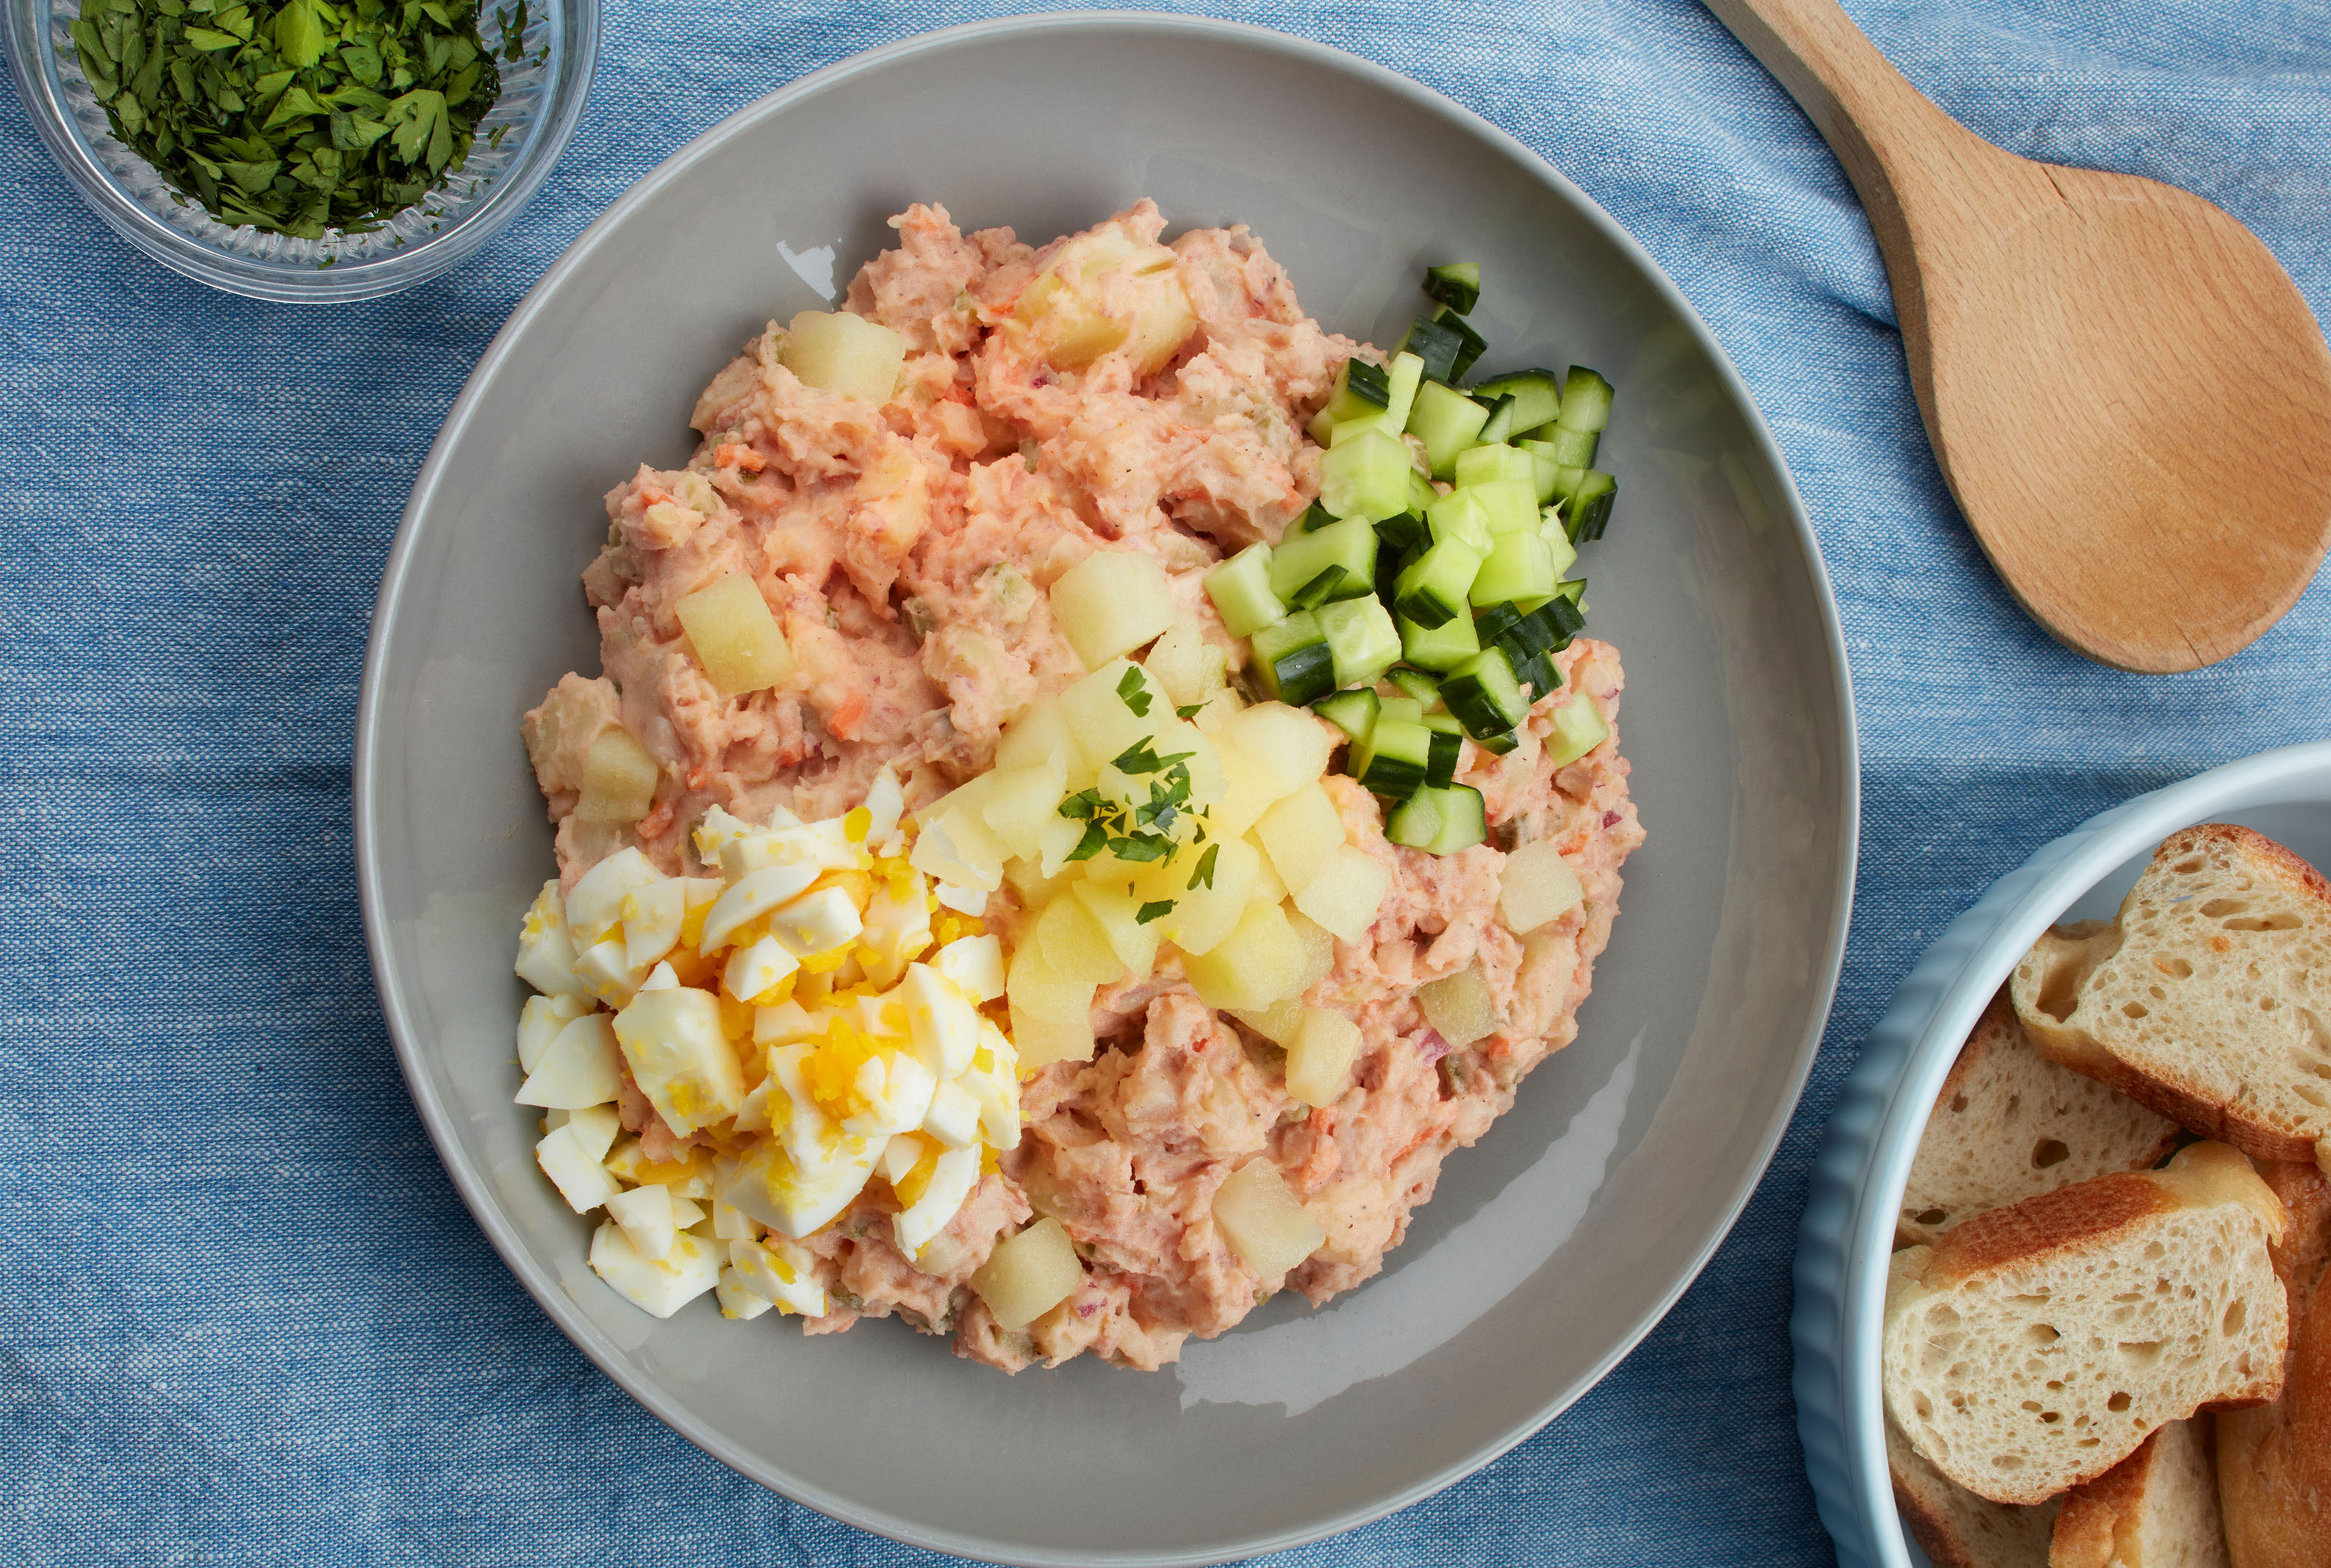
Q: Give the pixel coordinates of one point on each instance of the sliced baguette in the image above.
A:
(2157, 1508)
(2008, 1123)
(1956, 1528)
(2207, 998)
(2033, 1347)
(2274, 1465)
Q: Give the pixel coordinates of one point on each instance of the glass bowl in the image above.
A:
(542, 98)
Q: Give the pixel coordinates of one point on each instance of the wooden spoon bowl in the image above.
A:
(2127, 396)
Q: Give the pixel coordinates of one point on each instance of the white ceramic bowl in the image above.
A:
(1549, 1249)
(1856, 1189)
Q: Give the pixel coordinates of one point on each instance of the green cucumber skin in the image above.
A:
(1353, 712)
(1240, 590)
(1456, 284)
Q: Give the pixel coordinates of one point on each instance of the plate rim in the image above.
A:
(438, 1118)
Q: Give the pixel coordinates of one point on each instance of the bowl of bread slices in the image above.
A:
(2062, 1281)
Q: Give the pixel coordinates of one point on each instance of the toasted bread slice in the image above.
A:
(2157, 1508)
(2274, 1465)
(2008, 1123)
(2033, 1347)
(2209, 998)
(1958, 1529)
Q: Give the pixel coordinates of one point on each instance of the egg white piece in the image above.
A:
(884, 801)
(974, 962)
(898, 925)
(686, 1213)
(896, 1088)
(954, 1116)
(595, 907)
(758, 848)
(645, 1215)
(785, 1023)
(797, 1199)
(658, 1286)
(540, 1021)
(680, 1057)
(578, 1067)
(546, 948)
(663, 977)
(961, 899)
(579, 1177)
(651, 920)
(605, 970)
(596, 1128)
(900, 1156)
(992, 1079)
(751, 897)
(737, 1299)
(757, 966)
(781, 1271)
(817, 922)
(956, 1172)
(940, 1020)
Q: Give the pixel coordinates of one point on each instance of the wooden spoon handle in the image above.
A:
(1919, 173)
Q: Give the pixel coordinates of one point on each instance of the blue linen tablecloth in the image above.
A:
(244, 1317)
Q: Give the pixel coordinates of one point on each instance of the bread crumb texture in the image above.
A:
(2034, 1347)
(2157, 1508)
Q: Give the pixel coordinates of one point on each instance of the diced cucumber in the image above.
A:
(1441, 647)
(1566, 479)
(1398, 752)
(1507, 506)
(1540, 673)
(1517, 567)
(1464, 819)
(1407, 709)
(1459, 514)
(1472, 343)
(1315, 517)
(1336, 562)
(1418, 685)
(1353, 429)
(1501, 425)
(1241, 589)
(1578, 729)
(1403, 532)
(1479, 465)
(1293, 661)
(1406, 374)
(1353, 712)
(1421, 493)
(1457, 284)
(1434, 590)
(1416, 821)
(1573, 448)
(1448, 741)
(1536, 395)
(1483, 694)
(1390, 564)
(1360, 388)
(1590, 506)
(1446, 421)
(1436, 347)
(1542, 467)
(1585, 401)
(1498, 744)
(1367, 476)
(1557, 534)
(1362, 641)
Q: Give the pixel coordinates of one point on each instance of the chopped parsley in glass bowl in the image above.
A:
(304, 150)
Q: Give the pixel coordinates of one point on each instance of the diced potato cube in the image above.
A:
(1222, 705)
(1036, 736)
(1119, 916)
(1459, 1006)
(1072, 944)
(680, 1057)
(1020, 803)
(1187, 667)
(1345, 893)
(1099, 710)
(1537, 886)
(1319, 1058)
(1276, 1024)
(1268, 887)
(1288, 742)
(1111, 602)
(1029, 1273)
(619, 779)
(1105, 290)
(1052, 1016)
(839, 352)
(1318, 950)
(1579, 728)
(737, 639)
(1205, 915)
(1264, 1223)
(1259, 963)
(1300, 833)
(1246, 793)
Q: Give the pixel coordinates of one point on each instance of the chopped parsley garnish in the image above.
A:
(1205, 871)
(1135, 693)
(1153, 911)
(1140, 758)
(1190, 712)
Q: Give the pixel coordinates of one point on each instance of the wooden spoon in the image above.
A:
(2127, 396)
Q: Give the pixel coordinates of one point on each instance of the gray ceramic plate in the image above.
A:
(1551, 1248)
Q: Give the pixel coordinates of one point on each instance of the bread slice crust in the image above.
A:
(2157, 1508)
(1957, 1529)
(2209, 997)
(2274, 1464)
(2009, 1123)
(2034, 1347)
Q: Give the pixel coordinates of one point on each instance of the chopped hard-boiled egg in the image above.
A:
(658, 1286)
